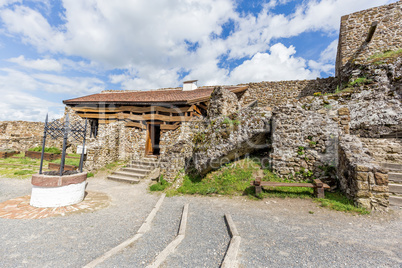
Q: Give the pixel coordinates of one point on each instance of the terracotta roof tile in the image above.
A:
(157, 96)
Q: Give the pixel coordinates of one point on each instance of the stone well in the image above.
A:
(57, 191)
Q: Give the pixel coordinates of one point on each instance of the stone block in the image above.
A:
(364, 203)
(378, 188)
(343, 111)
(381, 179)
(362, 176)
(362, 168)
(364, 193)
(362, 185)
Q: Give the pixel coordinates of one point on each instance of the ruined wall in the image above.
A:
(354, 30)
(360, 178)
(304, 142)
(277, 93)
(105, 148)
(384, 150)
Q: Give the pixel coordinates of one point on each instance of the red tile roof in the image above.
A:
(157, 96)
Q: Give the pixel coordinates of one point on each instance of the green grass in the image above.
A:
(19, 166)
(90, 174)
(68, 161)
(161, 185)
(380, 58)
(360, 81)
(52, 150)
(25, 172)
(339, 202)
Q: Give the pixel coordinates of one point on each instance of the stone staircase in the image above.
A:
(135, 171)
(395, 183)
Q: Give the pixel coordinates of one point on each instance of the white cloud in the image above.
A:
(279, 65)
(24, 106)
(17, 81)
(147, 40)
(42, 65)
(326, 62)
(23, 95)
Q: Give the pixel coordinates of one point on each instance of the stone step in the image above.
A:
(129, 174)
(143, 167)
(392, 166)
(123, 179)
(395, 201)
(143, 163)
(136, 170)
(395, 188)
(395, 177)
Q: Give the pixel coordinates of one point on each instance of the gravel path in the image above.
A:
(74, 240)
(207, 237)
(275, 232)
(164, 229)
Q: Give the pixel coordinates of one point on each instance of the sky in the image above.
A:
(54, 50)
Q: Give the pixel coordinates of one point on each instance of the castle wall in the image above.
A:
(277, 93)
(355, 27)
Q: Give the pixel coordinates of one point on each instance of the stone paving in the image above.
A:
(19, 208)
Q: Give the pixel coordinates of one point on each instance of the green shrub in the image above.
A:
(52, 150)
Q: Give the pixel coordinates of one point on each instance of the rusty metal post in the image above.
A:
(83, 146)
(63, 153)
(43, 144)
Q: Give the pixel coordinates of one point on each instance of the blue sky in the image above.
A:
(54, 50)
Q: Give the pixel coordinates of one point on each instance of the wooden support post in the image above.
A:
(318, 188)
(371, 31)
(257, 185)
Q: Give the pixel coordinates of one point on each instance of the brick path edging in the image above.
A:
(19, 208)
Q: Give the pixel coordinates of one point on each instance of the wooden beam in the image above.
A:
(135, 109)
(136, 124)
(160, 117)
(169, 127)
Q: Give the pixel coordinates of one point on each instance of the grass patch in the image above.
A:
(339, 202)
(161, 185)
(90, 174)
(380, 58)
(360, 81)
(231, 179)
(52, 150)
(25, 172)
(68, 161)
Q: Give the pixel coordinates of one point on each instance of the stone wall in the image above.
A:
(177, 151)
(226, 138)
(20, 135)
(360, 177)
(105, 148)
(304, 142)
(384, 150)
(354, 29)
(277, 93)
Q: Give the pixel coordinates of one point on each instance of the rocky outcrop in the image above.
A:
(222, 102)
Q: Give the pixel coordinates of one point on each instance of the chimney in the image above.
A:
(189, 85)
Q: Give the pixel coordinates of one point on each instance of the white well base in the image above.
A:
(43, 197)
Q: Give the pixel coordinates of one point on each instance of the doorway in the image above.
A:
(153, 139)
